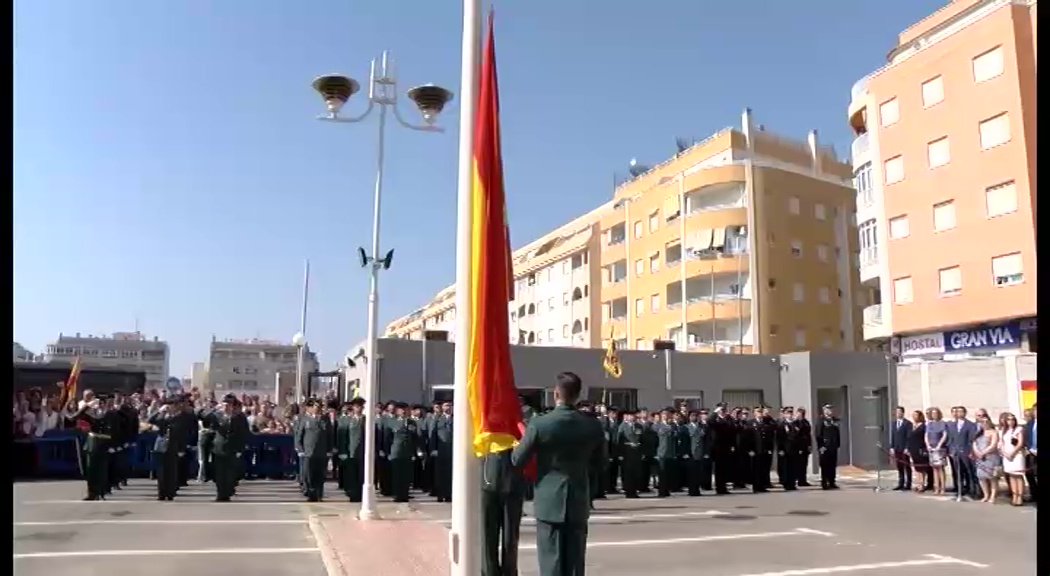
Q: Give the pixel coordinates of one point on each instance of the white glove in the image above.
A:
(419, 453)
(181, 454)
(301, 454)
(342, 456)
(238, 455)
(111, 451)
(621, 458)
(780, 452)
(821, 450)
(706, 457)
(750, 453)
(382, 454)
(127, 445)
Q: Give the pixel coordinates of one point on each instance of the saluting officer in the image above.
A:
(805, 445)
(666, 454)
(230, 438)
(629, 446)
(169, 446)
(828, 441)
(723, 449)
(350, 444)
(787, 448)
(89, 419)
(312, 440)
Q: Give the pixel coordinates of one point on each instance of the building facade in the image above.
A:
(252, 366)
(124, 350)
(752, 231)
(21, 354)
(946, 178)
(555, 303)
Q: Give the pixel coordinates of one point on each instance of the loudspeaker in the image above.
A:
(663, 344)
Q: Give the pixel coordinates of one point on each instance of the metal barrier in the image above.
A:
(57, 455)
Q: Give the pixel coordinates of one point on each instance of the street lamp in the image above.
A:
(299, 341)
(430, 100)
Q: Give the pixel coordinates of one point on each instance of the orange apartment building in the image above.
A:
(945, 163)
(754, 232)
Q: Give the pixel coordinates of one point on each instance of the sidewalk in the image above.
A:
(405, 542)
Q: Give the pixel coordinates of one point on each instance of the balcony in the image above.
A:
(860, 147)
(869, 263)
(875, 327)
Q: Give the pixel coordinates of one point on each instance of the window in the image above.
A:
(988, 65)
(639, 307)
(794, 205)
(822, 253)
(639, 267)
(796, 248)
(899, 227)
(938, 153)
(889, 112)
(1007, 269)
(550, 335)
(798, 292)
(944, 216)
(1001, 199)
(893, 170)
(820, 212)
(824, 294)
(565, 269)
(800, 337)
(638, 229)
(654, 221)
(995, 131)
(654, 262)
(902, 290)
(654, 302)
(862, 182)
(869, 243)
(565, 298)
(550, 303)
(950, 280)
(565, 331)
(932, 91)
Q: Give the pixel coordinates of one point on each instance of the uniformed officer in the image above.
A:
(402, 437)
(242, 431)
(723, 449)
(829, 439)
(382, 466)
(767, 430)
(312, 445)
(88, 418)
(611, 426)
(205, 446)
(629, 444)
(169, 446)
(650, 441)
(228, 443)
(805, 445)
(527, 414)
(787, 448)
(502, 500)
(699, 454)
(682, 450)
(350, 446)
(567, 445)
(440, 445)
(187, 457)
(114, 422)
(666, 456)
(130, 417)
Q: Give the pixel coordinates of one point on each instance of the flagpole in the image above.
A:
(464, 539)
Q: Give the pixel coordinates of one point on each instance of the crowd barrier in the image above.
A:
(56, 454)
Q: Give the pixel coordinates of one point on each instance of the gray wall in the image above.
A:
(862, 386)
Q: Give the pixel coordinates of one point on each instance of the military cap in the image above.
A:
(230, 399)
(356, 401)
(694, 411)
(613, 409)
(722, 405)
(826, 407)
(786, 409)
(702, 411)
(402, 405)
(667, 409)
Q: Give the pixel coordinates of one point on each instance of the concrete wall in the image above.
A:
(991, 383)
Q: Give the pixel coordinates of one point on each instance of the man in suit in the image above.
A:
(899, 448)
(1031, 439)
(961, 434)
(567, 445)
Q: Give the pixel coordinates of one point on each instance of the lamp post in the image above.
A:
(299, 341)
(382, 93)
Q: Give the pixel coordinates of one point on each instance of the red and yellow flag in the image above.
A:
(69, 389)
(493, 396)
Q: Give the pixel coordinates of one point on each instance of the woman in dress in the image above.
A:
(1011, 447)
(989, 462)
(916, 451)
(936, 437)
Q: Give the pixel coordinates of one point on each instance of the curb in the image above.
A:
(332, 564)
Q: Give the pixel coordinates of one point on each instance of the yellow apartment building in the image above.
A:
(754, 232)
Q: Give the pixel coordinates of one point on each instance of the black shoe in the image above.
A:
(804, 484)
(833, 486)
(898, 488)
(89, 498)
(171, 498)
(161, 498)
(223, 499)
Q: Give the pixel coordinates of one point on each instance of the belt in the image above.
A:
(100, 436)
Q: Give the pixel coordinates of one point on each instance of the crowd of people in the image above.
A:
(979, 456)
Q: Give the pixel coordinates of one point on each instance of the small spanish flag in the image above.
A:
(1028, 391)
(69, 389)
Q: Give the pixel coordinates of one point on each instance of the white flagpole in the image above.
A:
(464, 539)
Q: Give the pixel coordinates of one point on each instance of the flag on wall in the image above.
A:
(1028, 389)
(493, 397)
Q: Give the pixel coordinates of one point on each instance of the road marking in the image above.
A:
(694, 540)
(102, 553)
(930, 560)
(812, 531)
(600, 518)
(134, 522)
(154, 502)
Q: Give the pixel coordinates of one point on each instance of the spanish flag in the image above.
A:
(492, 395)
(69, 389)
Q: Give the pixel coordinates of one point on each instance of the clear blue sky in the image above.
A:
(168, 167)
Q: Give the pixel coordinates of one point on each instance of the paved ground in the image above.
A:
(265, 533)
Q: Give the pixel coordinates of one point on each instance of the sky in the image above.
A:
(169, 172)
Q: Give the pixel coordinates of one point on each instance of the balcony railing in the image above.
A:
(869, 256)
(861, 144)
(873, 315)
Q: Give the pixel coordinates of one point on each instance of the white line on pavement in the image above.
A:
(930, 560)
(101, 553)
(600, 518)
(694, 540)
(182, 503)
(134, 522)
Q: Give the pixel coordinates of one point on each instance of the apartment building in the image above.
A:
(741, 243)
(124, 350)
(946, 178)
(21, 354)
(252, 365)
(555, 303)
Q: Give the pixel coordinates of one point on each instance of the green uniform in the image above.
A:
(502, 500)
(172, 432)
(402, 436)
(440, 444)
(231, 435)
(629, 442)
(568, 445)
(382, 463)
(350, 446)
(312, 443)
(95, 456)
(666, 457)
